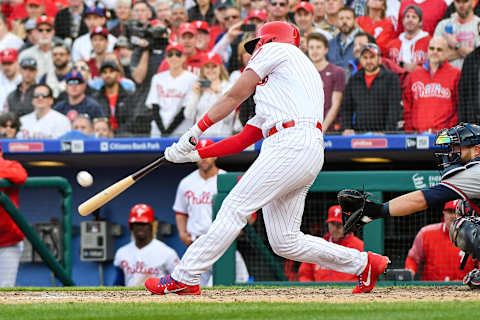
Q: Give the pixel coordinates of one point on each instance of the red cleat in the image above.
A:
(167, 284)
(368, 278)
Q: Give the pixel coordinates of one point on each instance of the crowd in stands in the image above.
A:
(122, 68)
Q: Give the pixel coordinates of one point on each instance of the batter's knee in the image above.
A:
(288, 247)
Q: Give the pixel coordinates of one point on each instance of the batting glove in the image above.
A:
(173, 154)
(189, 140)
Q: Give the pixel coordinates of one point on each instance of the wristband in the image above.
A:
(204, 123)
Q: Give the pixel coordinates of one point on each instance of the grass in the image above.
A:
(244, 311)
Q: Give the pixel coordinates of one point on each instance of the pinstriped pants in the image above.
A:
(9, 260)
(277, 182)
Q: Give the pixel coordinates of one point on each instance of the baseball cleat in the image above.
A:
(167, 284)
(368, 278)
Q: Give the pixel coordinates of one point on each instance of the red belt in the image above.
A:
(286, 125)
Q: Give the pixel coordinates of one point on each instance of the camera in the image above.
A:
(205, 83)
(248, 27)
(157, 36)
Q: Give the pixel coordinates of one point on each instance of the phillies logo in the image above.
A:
(431, 90)
(139, 268)
(205, 198)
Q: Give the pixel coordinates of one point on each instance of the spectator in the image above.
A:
(141, 12)
(99, 39)
(9, 125)
(163, 11)
(203, 36)
(82, 67)
(460, 31)
(212, 84)
(258, 18)
(82, 46)
(202, 10)
(309, 272)
(451, 9)
(124, 53)
(331, 22)
(377, 24)
(333, 79)
(78, 102)
(179, 17)
(55, 79)
(410, 48)
(433, 11)
(11, 238)
(372, 96)
(122, 11)
(8, 40)
(278, 10)
(319, 11)
(116, 102)
(193, 209)
(69, 22)
(102, 128)
(468, 94)
(41, 52)
(34, 10)
(360, 7)
(304, 20)
(167, 95)
(340, 48)
(43, 122)
(19, 101)
(433, 249)
(82, 128)
(144, 256)
(10, 76)
(31, 35)
(218, 27)
(259, 4)
(430, 99)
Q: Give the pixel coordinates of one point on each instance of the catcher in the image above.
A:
(458, 161)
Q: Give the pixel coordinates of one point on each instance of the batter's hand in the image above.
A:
(189, 140)
(174, 154)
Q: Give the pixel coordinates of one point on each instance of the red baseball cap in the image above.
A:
(257, 14)
(44, 19)
(141, 213)
(187, 28)
(202, 143)
(334, 214)
(34, 2)
(202, 25)
(305, 6)
(99, 31)
(212, 57)
(451, 205)
(175, 46)
(8, 55)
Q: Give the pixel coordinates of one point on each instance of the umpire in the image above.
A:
(460, 179)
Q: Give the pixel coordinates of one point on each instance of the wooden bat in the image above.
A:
(115, 189)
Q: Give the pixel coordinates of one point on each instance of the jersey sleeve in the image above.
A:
(465, 183)
(118, 258)
(180, 204)
(266, 59)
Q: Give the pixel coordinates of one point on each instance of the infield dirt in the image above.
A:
(325, 295)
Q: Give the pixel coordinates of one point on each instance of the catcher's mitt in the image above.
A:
(472, 279)
(361, 209)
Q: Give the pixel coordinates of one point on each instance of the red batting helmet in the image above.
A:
(140, 213)
(275, 31)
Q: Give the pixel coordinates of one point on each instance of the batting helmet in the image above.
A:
(140, 213)
(275, 31)
(463, 134)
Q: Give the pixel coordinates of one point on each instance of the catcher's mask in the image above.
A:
(463, 134)
(275, 31)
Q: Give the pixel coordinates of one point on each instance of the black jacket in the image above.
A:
(63, 24)
(468, 87)
(195, 14)
(20, 103)
(374, 109)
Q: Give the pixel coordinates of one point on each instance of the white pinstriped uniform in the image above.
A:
(280, 177)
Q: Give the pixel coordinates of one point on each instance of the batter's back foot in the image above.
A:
(167, 284)
(377, 264)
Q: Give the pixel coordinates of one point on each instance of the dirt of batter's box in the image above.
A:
(328, 295)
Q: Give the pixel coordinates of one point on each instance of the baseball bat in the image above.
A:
(115, 189)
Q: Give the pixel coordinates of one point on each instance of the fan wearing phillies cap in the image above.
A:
(314, 272)
(144, 256)
(99, 39)
(10, 76)
(203, 36)
(193, 208)
(304, 19)
(42, 51)
(433, 249)
(212, 83)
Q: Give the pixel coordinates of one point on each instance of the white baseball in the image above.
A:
(84, 179)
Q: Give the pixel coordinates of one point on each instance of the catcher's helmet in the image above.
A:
(140, 213)
(275, 31)
(463, 134)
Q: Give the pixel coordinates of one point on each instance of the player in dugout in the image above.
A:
(144, 256)
(459, 159)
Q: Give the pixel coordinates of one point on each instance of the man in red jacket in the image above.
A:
(314, 272)
(11, 238)
(430, 97)
(432, 248)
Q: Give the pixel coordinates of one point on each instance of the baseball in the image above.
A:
(84, 179)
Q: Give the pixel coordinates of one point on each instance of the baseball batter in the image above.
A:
(289, 112)
(144, 256)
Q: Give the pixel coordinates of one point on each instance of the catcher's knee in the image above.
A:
(465, 234)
